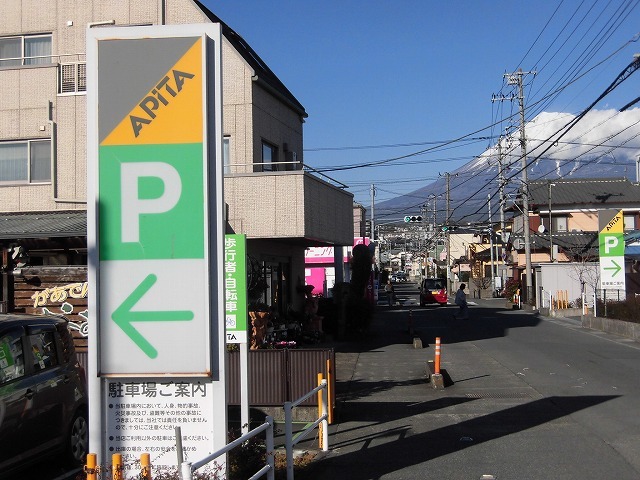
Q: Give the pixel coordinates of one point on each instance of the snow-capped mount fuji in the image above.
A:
(603, 144)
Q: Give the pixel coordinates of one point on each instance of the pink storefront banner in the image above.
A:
(315, 255)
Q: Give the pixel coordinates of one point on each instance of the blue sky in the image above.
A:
(399, 77)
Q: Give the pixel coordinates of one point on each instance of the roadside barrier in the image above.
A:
(187, 468)
(562, 299)
(117, 468)
(91, 469)
(321, 422)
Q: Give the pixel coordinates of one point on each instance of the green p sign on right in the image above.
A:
(611, 248)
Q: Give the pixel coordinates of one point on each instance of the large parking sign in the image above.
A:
(153, 192)
(156, 239)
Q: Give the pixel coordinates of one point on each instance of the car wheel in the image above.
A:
(78, 439)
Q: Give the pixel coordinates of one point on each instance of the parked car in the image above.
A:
(433, 290)
(43, 395)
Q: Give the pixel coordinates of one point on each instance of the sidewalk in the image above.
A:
(389, 421)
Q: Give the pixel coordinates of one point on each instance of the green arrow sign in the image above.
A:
(124, 317)
(616, 269)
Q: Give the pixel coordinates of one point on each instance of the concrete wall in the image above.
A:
(610, 325)
(553, 277)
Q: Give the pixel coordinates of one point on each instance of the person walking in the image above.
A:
(461, 301)
(389, 290)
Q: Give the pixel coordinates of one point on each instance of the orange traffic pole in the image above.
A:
(90, 468)
(145, 466)
(116, 465)
(437, 359)
(329, 393)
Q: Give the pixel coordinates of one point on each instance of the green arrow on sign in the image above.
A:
(124, 317)
(617, 268)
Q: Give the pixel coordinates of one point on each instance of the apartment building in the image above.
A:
(270, 194)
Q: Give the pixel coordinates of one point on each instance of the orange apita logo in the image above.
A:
(171, 112)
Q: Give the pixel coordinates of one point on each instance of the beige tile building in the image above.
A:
(270, 194)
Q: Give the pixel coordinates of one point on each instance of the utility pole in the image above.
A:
(448, 234)
(372, 226)
(501, 184)
(493, 277)
(516, 79)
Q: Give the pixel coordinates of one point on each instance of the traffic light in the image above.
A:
(413, 218)
(449, 228)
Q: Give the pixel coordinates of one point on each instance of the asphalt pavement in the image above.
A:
(486, 423)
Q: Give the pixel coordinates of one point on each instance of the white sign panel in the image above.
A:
(142, 416)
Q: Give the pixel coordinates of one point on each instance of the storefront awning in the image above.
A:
(17, 226)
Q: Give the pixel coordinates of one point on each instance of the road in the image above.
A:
(528, 397)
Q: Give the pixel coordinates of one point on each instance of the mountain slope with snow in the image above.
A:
(602, 144)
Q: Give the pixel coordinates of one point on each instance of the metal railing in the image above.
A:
(290, 441)
(279, 167)
(188, 468)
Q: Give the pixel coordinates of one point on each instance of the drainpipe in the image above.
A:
(54, 162)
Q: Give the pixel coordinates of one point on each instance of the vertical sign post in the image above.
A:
(611, 248)
(235, 283)
(155, 232)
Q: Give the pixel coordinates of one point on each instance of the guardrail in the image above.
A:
(290, 441)
(188, 468)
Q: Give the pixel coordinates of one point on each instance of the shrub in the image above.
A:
(510, 288)
(628, 310)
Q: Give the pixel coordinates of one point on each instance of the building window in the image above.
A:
(226, 154)
(558, 224)
(629, 222)
(25, 50)
(25, 162)
(269, 157)
(72, 78)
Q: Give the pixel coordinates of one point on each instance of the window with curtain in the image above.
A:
(629, 222)
(25, 50)
(25, 162)
(37, 50)
(10, 51)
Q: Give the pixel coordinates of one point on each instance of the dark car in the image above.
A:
(43, 396)
(433, 290)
